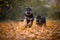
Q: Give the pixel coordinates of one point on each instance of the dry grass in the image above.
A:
(17, 31)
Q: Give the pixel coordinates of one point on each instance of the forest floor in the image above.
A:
(17, 31)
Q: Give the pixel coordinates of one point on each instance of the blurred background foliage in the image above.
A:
(14, 9)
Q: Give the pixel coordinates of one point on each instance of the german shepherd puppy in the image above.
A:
(40, 20)
(29, 16)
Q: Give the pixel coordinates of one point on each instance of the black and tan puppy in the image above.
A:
(29, 16)
(40, 20)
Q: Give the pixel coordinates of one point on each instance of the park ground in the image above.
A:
(17, 31)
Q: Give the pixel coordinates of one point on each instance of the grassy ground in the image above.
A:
(17, 31)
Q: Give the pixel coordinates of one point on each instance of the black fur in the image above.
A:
(41, 20)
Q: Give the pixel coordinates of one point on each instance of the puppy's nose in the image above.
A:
(28, 13)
